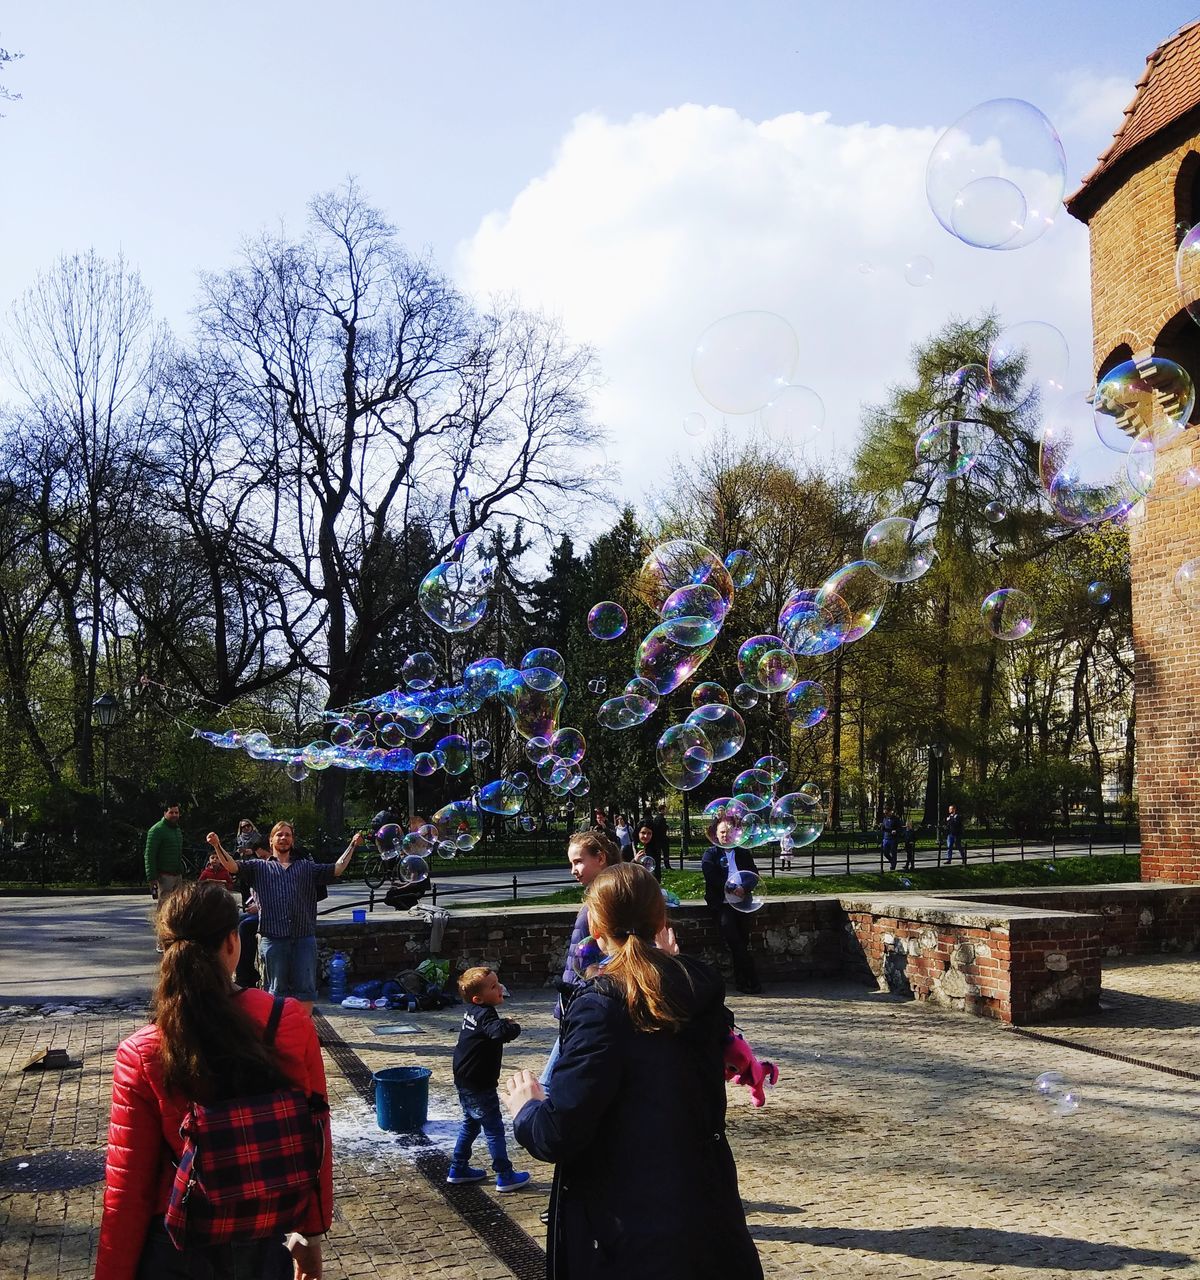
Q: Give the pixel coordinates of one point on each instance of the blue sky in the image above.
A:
(171, 133)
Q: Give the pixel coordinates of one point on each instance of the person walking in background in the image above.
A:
(644, 1181)
(910, 846)
(624, 837)
(210, 1042)
(954, 838)
(734, 925)
(889, 832)
(164, 855)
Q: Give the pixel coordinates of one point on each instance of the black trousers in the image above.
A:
(247, 970)
(735, 933)
(253, 1260)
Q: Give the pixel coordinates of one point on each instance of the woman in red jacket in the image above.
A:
(205, 1045)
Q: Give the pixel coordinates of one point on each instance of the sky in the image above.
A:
(640, 170)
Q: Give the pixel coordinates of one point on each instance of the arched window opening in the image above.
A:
(1187, 195)
(1180, 341)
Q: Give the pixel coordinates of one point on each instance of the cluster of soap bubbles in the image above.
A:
(1056, 1094)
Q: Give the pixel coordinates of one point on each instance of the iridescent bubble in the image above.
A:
(501, 797)
(319, 755)
(1053, 1091)
(543, 669)
(918, 271)
(534, 712)
(1187, 272)
(607, 620)
(1152, 398)
(680, 563)
(709, 691)
(257, 745)
(696, 601)
(419, 670)
(691, 632)
(1099, 593)
(742, 360)
(453, 753)
(598, 687)
(694, 424)
(454, 596)
(296, 769)
(745, 696)
(995, 178)
(569, 746)
(684, 757)
(752, 787)
(725, 822)
(1009, 614)
(389, 839)
(428, 830)
(528, 823)
(425, 764)
(537, 749)
(970, 386)
(341, 734)
(483, 676)
(951, 449)
(625, 711)
(743, 568)
(860, 591)
(758, 831)
(810, 794)
(481, 748)
(414, 842)
(413, 868)
(739, 891)
(813, 624)
(665, 662)
(767, 664)
(772, 766)
(581, 786)
(898, 550)
(1186, 584)
(722, 726)
(794, 414)
(520, 780)
(1028, 359)
(553, 772)
(806, 704)
(995, 512)
(640, 687)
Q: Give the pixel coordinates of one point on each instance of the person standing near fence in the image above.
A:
(910, 846)
(164, 855)
(954, 836)
(889, 830)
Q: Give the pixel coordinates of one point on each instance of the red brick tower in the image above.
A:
(1138, 202)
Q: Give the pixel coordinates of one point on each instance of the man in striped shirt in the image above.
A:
(286, 889)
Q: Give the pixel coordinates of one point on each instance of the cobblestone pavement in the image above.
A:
(900, 1142)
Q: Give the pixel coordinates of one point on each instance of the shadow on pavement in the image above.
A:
(981, 1244)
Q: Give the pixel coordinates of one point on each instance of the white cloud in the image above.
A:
(642, 232)
(1091, 109)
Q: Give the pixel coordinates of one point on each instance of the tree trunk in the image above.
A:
(835, 762)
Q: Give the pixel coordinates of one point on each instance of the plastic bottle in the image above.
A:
(337, 978)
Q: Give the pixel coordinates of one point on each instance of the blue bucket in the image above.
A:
(402, 1098)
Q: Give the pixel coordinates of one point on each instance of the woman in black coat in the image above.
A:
(645, 1186)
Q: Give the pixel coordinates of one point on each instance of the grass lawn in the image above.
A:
(1111, 869)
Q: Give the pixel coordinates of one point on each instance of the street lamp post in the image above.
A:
(105, 709)
(937, 748)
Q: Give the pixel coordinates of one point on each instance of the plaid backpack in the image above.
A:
(248, 1166)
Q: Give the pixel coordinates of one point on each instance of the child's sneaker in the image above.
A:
(464, 1173)
(511, 1181)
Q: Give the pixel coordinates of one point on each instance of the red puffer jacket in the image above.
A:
(144, 1142)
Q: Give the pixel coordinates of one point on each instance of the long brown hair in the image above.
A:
(625, 906)
(209, 1048)
(598, 845)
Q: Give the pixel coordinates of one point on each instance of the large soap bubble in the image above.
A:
(1027, 360)
(685, 756)
(453, 753)
(607, 620)
(624, 712)
(665, 662)
(569, 746)
(995, 178)
(1149, 399)
(739, 891)
(794, 414)
(767, 664)
(898, 549)
(455, 595)
(722, 726)
(861, 592)
(543, 669)
(743, 568)
(1009, 614)
(709, 691)
(725, 822)
(534, 712)
(743, 360)
(752, 787)
(419, 670)
(806, 704)
(502, 798)
(681, 563)
(811, 626)
(952, 448)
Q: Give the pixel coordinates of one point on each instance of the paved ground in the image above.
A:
(901, 1142)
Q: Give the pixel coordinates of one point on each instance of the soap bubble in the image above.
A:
(482, 677)
(537, 749)
(745, 696)
(607, 620)
(793, 413)
(752, 787)
(415, 842)
(694, 424)
(598, 686)
(739, 891)
(856, 588)
(680, 563)
(684, 756)
(743, 568)
(389, 840)
(1099, 593)
(296, 769)
(697, 600)
(543, 669)
(1053, 1090)
(918, 271)
(995, 178)
(581, 786)
(528, 823)
(725, 822)
(481, 748)
(501, 797)
(665, 662)
(419, 670)
(970, 386)
(454, 596)
(257, 745)
(1041, 353)
(951, 448)
(1187, 584)
(897, 550)
(640, 687)
(534, 712)
(772, 766)
(569, 746)
(520, 780)
(453, 753)
(318, 755)
(812, 624)
(722, 726)
(413, 868)
(584, 954)
(1187, 272)
(1151, 399)
(740, 361)
(767, 664)
(425, 764)
(691, 632)
(806, 704)
(1009, 614)
(810, 794)
(995, 512)
(624, 712)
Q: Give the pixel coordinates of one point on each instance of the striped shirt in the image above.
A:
(287, 896)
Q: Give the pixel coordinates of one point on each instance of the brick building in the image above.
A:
(1138, 202)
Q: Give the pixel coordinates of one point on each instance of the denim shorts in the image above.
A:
(290, 966)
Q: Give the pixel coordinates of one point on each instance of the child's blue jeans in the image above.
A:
(481, 1110)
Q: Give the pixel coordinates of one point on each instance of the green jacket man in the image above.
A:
(164, 850)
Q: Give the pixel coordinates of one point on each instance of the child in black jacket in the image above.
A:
(477, 1059)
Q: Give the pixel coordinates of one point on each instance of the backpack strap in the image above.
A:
(273, 1021)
